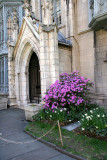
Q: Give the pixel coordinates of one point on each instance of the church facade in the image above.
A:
(45, 38)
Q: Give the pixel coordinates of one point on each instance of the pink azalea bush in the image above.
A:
(71, 90)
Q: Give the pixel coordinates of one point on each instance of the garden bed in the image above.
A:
(89, 148)
(66, 101)
(90, 134)
(54, 122)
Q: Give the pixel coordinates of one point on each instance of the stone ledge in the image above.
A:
(100, 99)
(3, 103)
(99, 21)
(4, 95)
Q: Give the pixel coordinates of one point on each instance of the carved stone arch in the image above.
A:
(22, 59)
(21, 50)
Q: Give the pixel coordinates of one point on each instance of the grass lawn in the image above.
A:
(89, 148)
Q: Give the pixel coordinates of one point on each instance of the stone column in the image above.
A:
(44, 61)
(11, 74)
(54, 54)
(49, 56)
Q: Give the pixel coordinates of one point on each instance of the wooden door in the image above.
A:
(34, 79)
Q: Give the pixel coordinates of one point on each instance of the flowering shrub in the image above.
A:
(63, 98)
(64, 115)
(70, 90)
(95, 120)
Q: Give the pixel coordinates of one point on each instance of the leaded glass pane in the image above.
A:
(6, 59)
(2, 74)
(1, 28)
(2, 71)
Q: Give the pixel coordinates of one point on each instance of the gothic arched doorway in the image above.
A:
(34, 79)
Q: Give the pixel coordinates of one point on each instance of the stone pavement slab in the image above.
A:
(72, 126)
(12, 124)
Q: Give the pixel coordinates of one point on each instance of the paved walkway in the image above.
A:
(12, 123)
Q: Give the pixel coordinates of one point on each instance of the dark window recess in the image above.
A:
(34, 79)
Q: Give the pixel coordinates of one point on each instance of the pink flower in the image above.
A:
(71, 89)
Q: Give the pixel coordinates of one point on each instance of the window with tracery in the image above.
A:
(1, 29)
(11, 14)
(3, 74)
(6, 63)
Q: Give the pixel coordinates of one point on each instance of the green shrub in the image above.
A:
(57, 114)
(95, 121)
(70, 114)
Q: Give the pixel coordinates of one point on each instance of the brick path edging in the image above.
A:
(56, 148)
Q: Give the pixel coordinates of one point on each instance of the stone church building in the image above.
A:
(39, 39)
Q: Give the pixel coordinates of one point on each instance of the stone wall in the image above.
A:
(92, 50)
(66, 19)
(65, 64)
(82, 15)
(101, 62)
(86, 48)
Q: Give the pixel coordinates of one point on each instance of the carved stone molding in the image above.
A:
(47, 9)
(26, 7)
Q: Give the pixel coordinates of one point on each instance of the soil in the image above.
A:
(53, 122)
(89, 134)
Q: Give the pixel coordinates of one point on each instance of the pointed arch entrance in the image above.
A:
(34, 79)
